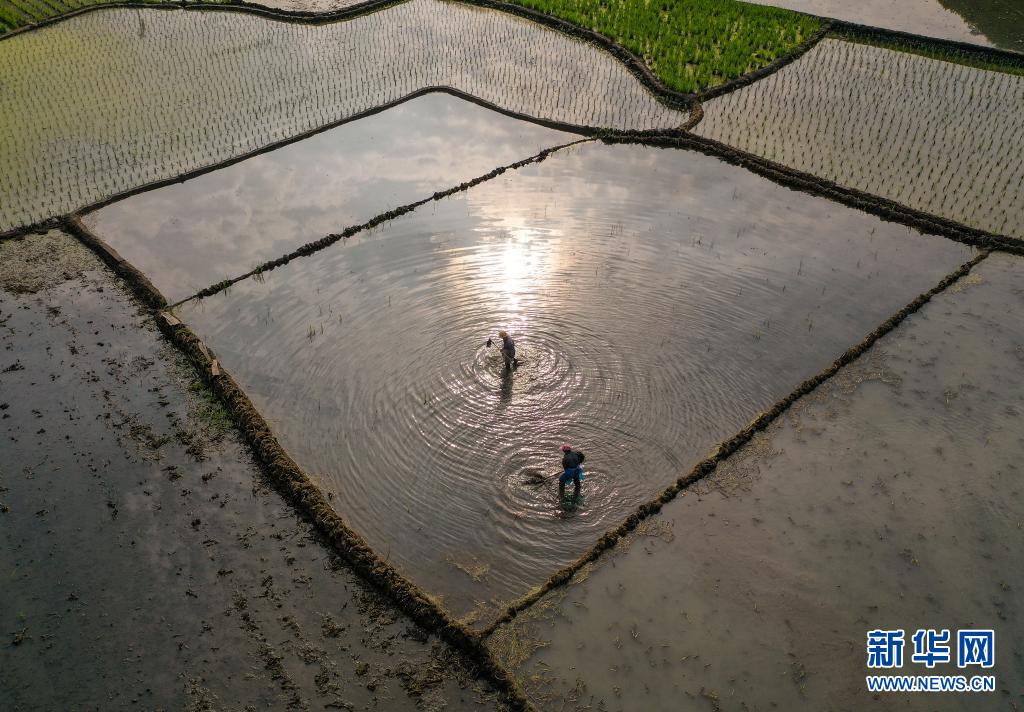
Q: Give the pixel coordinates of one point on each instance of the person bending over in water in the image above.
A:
(508, 350)
(572, 461)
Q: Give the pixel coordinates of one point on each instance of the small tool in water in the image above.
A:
(533, 477)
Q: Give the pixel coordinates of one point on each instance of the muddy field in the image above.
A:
(890, 497)
(145, 561)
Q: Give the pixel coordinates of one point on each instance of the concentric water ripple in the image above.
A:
(659, 300)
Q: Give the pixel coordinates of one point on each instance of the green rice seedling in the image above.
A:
(690, 45)
(195, 89)
(934, 135)
(20, 13)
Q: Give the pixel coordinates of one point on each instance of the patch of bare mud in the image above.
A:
(144, 561)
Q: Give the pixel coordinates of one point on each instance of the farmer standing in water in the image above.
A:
(572, 470)
(508, 350)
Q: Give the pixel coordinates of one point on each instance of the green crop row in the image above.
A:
(690, 45)
(19, 13)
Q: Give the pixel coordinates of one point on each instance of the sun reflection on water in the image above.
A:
(508, 274)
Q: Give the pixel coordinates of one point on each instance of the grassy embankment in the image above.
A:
(690, 45)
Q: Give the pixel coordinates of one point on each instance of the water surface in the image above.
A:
(936, 136)
(190, 235)
(891, 498)
(659, 300)
(1001, 21)
(114, 99)
(145, 563)
(998, 23)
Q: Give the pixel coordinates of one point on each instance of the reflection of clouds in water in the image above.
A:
(524, 264)
(234, 83)
(189, 235)
(855, 506)
(640, 346)
(516, 269)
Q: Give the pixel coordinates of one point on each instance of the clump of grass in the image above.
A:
(690, 45)
(206, 409)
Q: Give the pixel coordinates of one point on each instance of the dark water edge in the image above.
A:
(997, 23)
(1000, 21)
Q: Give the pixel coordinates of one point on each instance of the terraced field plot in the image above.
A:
(920, 17)
(891, 497)
(998, 23)
(190, 235)
(936, 136)
(690, 45)
(660, 300)
(146, 562)
(19, 13)
(112, 100)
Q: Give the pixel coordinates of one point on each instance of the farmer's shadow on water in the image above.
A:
(569, 504)
(505, 391)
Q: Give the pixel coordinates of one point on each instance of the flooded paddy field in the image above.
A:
(889, 498)
(932, 135)
(145, 564)
(20, 13)
(311, 5)
(190, 235)
(660, 299)
(115, 99)
(998, 23)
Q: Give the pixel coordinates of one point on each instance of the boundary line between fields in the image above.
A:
(315, 246)
(296, 487)
(884, 208)
(580, 130)
(705, 467)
